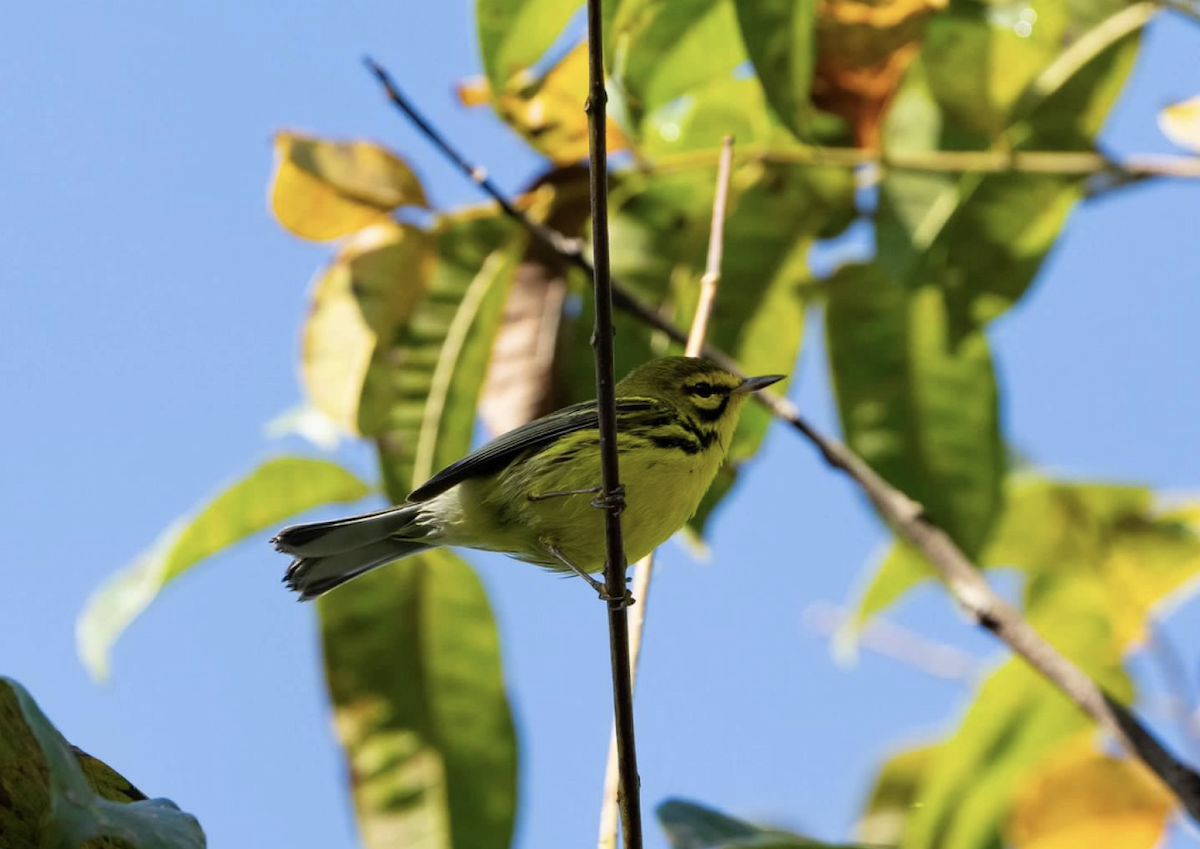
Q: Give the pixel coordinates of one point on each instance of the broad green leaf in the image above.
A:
(412, 654)
(919, 405)
(1180, 122)
(980, 57)
(779, 39)
(514, 34)
(662, 51)
(52, 796)
(895, 795)
(278, 489)
(412, 662)
(326, 189)
(1081, 797)
(692, 826)
(702, 118)
(370, 289)
(1017, 716)
(439, 357)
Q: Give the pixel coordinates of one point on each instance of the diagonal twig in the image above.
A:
(907, 519)
(645, 566)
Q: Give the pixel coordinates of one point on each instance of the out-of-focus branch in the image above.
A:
(645, 566)
(907, 519)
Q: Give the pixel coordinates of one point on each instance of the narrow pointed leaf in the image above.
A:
(54, 797)
(325, 189)
(692, 826)
(411, 650)
(514, 34)
(276, 490)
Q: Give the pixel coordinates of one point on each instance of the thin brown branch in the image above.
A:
(612, 493)
(906, 516)
(645, 566)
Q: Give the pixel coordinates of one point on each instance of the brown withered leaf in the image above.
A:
(863, 50)
(520, 379)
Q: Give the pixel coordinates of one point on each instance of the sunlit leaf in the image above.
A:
(692, 826)
(779, 38)
(412, 662)
(895, 795)
(48, 799)
(664, 51)
(1079, 797)
(276, 490)
(900, 568)
(514, 34)
(699, 121)
(326, 189)
(970, 785)
(979, 58)
(919, 405)
(1180, 122)
(369, 290)
(411, 650)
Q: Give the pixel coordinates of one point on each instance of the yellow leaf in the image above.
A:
(324, 189)
(548, 112)
(1081, 799)
(370, 289)
(1180, 122)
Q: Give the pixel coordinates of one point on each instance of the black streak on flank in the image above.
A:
(683, 443)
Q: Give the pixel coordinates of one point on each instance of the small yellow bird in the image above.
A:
(529, 492)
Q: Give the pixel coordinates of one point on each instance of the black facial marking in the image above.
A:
(715, 413)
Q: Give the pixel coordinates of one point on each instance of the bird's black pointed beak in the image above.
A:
(753, 384)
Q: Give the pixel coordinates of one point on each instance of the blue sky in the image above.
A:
(149, 309)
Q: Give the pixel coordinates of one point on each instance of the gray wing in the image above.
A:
(505, 448)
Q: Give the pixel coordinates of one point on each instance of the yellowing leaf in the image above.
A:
(548, 112)
(1180, 122)
(324, 190)
(370, 289)
(1080, 799)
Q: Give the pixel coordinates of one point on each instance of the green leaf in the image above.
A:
(692, 826)
(1016, 719)
(49, 798)
(662, 51)
(278, 489)
(439, 357)
(412, 661)
(779, 39)
(919, 405)
(895, 795)
(411, 651)
(371, 288)
(514, 34)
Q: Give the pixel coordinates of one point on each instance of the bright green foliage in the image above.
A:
(275, 491)
(917, 403)
(513, 34)
(53, 796)
(779, 39)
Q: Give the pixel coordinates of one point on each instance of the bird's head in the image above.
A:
(706, 394)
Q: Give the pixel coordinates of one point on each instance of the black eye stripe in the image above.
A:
(704, 389)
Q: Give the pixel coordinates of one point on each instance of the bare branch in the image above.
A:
(903, 514)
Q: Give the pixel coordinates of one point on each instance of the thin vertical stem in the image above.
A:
(612, 493)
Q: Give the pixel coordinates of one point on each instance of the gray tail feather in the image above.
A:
(330, 553)
(315, 576)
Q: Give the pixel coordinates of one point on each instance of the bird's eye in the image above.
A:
(704, 390)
